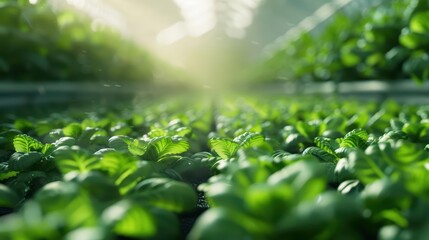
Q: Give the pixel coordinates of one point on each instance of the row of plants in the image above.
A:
(105, 174)
(40, 44)
(387, 40)
(318, 169)
(251, 168)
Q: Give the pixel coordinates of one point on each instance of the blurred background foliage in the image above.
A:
(40, 44)
(386, 41)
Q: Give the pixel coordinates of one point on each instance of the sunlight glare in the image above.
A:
(198, 28)
(242, 19)
(252, 3)
(172, 34)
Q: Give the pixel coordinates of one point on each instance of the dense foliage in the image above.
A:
(270, 169)
(101, 174)
(39, 44)
(386, 41)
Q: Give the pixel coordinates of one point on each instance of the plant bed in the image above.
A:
(378, 40)
(254, 167)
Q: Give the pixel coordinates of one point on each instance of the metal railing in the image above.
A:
(319, 19)
(27, 94)
(20, 94)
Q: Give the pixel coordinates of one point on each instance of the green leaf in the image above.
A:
(4, 142)
(84, 139)
(104, 151)
(419, 22)
(125, 170)
(248, 175)
(412, 40)
(227, 148)
(93, 233)
(402, 153)
(7, 138)
(311, 218)
(75, 159)
(295, 143)
(138, 147)
(161, 147)
(8, 198)
(358, 120)
(357, 138)
(7, 175)
(350, 186)
(248, 139)
(24, 143)
(223, 194)
(115, 163)
(395, 216)
(310, 129)
(120, 143)
(21, 162)
(23, 125)
(224, 147)
(392, 135)
(348, 53)
(396, 56)
(183, 131)
(55, 195)
(327, 144)
(121, 129)
(29, 224)
(130, 178)
(336, 122)
(79, 211)
(73, 130)
(167, 194)
(157, 132)
(98, 185)
(396, 124)
(269, 202)
(416, 66)
(343, 170)
(165, 219)
(368, 169)
(375, 59)
(358, 132)
(384, 194)
(47, 149)
(321, 154)
(237, 225)
(130, 220)
(195, 169)
(24, 183)
(413, 130)
(306, 177)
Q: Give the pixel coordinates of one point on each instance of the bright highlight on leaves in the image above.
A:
(24, 143)
(163, 146)
(129, 219)
(75, 159)
(227, 148)
(73, 130)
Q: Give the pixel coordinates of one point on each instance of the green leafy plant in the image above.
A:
(227, 148)
(386, 40)
(351, 170)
